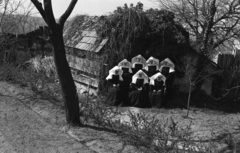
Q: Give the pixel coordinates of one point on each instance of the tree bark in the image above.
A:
(69, 92)
(208, 31)
(189, 98)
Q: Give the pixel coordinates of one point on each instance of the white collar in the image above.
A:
(157, 76)
(152, 62)
(113, 71)
(137, 76)
(126, 64)
(167, 63)
(171, 69)
(138, 60)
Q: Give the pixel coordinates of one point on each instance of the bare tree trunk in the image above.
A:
(189, 98)
(208, 31)
(69, 92)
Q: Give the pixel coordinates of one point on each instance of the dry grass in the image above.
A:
(143, 130)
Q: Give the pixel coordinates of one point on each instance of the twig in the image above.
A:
(228, 90)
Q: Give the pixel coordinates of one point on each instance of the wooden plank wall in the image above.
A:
(85, 65)
(85, 73)
(230, 77)
(225, 61)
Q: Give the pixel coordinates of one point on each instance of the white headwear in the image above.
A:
(125, 63)
(167, 63)
(138, 60)
(116, 70)
(157, 76)
(140, 75)
(152, 62)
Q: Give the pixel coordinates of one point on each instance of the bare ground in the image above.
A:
(30, 124)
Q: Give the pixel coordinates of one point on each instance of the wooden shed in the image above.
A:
(84, 49)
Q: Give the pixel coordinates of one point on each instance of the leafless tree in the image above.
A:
(23, 18)
(212, 24)
(193, 77)
(12, 13)
(69, 91)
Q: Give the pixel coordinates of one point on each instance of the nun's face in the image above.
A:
(165, 63)
(140, 75)
(124, 64)
(159, 78)
(151, 62)
(116, 72)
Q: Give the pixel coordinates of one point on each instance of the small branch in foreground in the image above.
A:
(228, 90)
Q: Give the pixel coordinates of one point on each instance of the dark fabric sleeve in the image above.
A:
(156, 98)
(114, 97)
(156, 94)
(138, 97)
(124, 87)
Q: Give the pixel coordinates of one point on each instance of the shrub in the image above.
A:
(38, 74)
(141, 130)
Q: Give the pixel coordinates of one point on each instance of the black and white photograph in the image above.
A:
(119, 76)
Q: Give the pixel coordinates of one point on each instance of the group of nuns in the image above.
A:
(139, 83)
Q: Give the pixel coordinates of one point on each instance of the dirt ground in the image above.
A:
(31, 124)
(206, 125)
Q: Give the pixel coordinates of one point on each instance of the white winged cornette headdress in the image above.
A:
(138, 60)
(167, 63)
(152, 62)
(157, 76)
(140, 75)
(116, 70)
(126, 64)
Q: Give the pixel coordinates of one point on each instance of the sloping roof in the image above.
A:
(82, 34)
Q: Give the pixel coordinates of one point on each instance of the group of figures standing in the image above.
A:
(140, 83)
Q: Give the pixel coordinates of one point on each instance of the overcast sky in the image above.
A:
(96, 7)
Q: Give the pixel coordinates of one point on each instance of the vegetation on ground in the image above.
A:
(130, 31)
(141, 129)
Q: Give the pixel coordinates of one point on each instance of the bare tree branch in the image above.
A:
(48, 10)
(209, 27)
(39, 7)
(227, 92)
(66, 14)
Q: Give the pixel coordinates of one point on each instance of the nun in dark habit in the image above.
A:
(126, 66)
(152, 66)
(167, 69)
(138, 63)
(156, 90)
(138, 92)
(115, 94)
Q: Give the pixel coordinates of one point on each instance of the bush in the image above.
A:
(141, 130)
(11, 73)
(38, 74)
